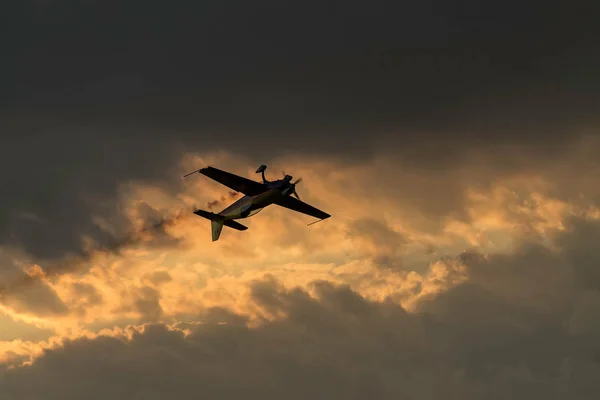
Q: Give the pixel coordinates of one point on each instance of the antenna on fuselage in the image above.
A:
(261, 170)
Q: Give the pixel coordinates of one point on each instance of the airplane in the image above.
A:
(256, 197)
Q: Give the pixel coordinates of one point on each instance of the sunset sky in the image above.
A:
(455, 144)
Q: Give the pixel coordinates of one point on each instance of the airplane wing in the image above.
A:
(301, 207)
(235, 182)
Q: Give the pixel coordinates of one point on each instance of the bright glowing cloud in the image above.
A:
(173, 271)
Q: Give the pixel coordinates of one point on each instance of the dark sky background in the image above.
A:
(447, 95)
(98, 92)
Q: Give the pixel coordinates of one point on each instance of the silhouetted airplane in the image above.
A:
(257, 196)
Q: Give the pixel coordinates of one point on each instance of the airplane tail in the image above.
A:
(216, 227)
(217, 222)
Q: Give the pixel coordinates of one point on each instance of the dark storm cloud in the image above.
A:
(16, 285)
(35, 297)
(96, 93)
(264, 64)
(158, 277)
(54, 182)
(513, 331)
(87, 296)
(379, 240)
(147, 303)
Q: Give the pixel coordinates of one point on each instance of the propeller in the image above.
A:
(294, 188)
(292, 184)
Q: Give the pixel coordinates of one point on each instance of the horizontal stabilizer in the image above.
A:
(209, 215)
(235, 225)
(217, 223)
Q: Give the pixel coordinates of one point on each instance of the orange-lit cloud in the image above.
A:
(169, 270)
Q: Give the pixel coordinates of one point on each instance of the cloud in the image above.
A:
(151, 232)
(455, 149)
(515, 320)
(329, 340)
(357, 65)
(434, 90)
(166, 266)
(378, 239)
(33, 295)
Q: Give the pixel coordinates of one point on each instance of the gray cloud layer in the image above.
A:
(523, 327)
(97, 93)
(265, 64)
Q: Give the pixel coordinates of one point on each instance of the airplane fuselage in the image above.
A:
(248, 206)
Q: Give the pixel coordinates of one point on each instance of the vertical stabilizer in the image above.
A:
(216, 227)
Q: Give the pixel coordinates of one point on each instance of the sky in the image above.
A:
(454, 144)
